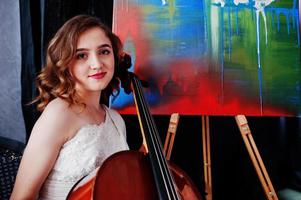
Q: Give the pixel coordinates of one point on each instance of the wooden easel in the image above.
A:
(252, 150)
(170, 136)
(207, 157)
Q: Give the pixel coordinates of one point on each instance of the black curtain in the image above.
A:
(57, 12)
(30, 62)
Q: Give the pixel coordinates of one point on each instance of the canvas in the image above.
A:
(220, 57)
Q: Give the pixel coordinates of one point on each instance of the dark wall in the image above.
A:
(233, 175)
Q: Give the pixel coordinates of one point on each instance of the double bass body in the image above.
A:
(127, 175)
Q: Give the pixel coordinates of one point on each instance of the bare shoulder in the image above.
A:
(57, 105)
(56, 120)
(48, 135)
(58, 112)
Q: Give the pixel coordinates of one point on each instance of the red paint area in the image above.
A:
(202, 93)
(207, 105)
(127, 25)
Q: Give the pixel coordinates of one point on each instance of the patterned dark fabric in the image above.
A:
(9, 163)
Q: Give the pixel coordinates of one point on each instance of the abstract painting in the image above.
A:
(213, 57)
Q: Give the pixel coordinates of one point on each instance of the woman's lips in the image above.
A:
(98, 75)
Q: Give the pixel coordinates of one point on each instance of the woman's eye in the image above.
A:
(81, 56)
(104, 52)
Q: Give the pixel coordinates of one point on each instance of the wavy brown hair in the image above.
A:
(55, 80)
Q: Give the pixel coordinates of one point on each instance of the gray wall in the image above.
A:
(11, 118)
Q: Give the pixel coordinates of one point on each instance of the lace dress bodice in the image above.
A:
(82, 154)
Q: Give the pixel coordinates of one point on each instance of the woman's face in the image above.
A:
(93, 64)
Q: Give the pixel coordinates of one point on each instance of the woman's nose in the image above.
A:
(95, 63)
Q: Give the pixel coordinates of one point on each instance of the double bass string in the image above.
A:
(158, 148)
(154, 144)
(150, 141)
(155, 141)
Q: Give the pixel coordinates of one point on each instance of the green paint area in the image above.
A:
(279, 58)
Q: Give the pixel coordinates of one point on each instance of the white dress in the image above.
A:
(82, 154)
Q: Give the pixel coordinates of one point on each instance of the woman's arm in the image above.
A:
(47, 137)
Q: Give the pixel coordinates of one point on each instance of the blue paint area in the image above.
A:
(124, 99)
(176, 29)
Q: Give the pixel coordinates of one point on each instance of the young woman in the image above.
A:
(75, 132)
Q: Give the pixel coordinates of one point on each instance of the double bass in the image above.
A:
(131, 175)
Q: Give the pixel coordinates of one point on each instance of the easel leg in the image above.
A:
(255, 157)
(171, 134)
(207, 157)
